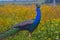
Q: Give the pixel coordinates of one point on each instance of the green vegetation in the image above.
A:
(47, 31)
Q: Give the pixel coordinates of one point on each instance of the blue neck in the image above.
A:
(38, 17)
(37, 20)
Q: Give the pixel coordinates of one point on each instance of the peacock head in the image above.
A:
(40, 2)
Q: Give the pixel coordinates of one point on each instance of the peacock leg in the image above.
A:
(30, 36)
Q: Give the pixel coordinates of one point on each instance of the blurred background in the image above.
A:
(48, 29)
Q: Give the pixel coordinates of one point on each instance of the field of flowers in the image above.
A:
(48, 28)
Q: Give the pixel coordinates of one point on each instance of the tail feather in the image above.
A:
(8, 33)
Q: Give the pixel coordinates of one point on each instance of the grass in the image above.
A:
(48, 28)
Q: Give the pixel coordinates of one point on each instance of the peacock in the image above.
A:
(29, 25)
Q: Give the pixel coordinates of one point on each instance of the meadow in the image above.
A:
(48, 29)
